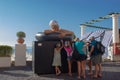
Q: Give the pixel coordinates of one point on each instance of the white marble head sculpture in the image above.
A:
(53, 23)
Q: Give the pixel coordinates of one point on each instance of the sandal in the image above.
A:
(100, 75)
(95, 76)
(90, 74)
(70, 74)
(58, 73)
(79, 77)
(83, 77)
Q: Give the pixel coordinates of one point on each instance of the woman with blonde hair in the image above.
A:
(81, 57)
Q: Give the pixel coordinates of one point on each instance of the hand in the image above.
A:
(90, 53)
(62, 35)
(61, 41)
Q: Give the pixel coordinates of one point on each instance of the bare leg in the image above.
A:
(96, 71)
(59, 72)
(69, 68)
(79, 69)
(56, 70)
(90, 67)
(83, 68)
(100, 70)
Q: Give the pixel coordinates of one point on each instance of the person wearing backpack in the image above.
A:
(95, 58)
(100, 47)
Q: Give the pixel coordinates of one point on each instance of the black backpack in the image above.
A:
(100, 47)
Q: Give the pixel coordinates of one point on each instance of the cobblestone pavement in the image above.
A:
(111, 71)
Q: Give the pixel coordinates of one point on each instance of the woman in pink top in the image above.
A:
(69, 51)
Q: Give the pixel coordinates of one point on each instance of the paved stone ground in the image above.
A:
(111, 71)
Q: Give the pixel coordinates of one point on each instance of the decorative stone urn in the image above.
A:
(21, 35)
(20, 40)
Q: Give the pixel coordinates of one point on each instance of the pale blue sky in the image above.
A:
(33, 16)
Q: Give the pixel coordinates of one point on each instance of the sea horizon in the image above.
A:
(28, 53)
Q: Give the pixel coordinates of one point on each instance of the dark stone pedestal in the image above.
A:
(43, 53)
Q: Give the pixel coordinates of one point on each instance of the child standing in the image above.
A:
(69, 50)
(57, 58)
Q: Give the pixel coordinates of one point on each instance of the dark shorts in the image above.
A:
(79, 57)
(97, 59)
(69, 57)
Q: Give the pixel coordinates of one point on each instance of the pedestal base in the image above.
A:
(43, 52)
(20, 55)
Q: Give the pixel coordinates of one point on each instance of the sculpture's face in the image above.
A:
(54, 25)
(55, 28)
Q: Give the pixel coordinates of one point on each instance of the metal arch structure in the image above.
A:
(97, 27)
(89, 23)
(115, 29)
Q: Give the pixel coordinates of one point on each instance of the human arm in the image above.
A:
(48, 31)
(91, 51)
(66, 32)
(62, 44)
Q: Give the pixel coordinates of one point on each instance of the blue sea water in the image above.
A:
(28, 53)
(28, 50)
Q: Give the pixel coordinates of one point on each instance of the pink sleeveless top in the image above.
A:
(68, 50)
